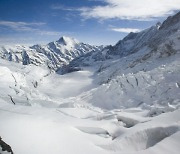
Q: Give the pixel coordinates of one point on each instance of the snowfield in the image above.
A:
(41, 130)
(48, 118)
(123, 99)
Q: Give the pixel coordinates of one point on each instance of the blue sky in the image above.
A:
(91, 21)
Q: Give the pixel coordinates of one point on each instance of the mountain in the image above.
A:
(159, 39)
(52, 55)
(137, 71)
(125, 98)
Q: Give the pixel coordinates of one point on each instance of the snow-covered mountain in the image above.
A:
(52, 55)
(162, 39)
(121, 99)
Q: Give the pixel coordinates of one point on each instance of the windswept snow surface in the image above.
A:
(41, 130)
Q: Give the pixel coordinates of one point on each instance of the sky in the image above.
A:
(98, 22)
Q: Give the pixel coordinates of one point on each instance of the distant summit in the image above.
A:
(64, 40)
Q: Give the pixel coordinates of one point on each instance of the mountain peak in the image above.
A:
(171, 21)
(64, 40)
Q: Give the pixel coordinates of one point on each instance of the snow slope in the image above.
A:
(27, 84)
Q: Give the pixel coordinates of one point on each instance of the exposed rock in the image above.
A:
(5, 147)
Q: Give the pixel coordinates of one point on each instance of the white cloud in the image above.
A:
(52, 33)
(28, 27)
(125, 30)
(62, 7)
(131, 9)
(21, 26)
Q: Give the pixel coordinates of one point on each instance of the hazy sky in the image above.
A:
(91, 21)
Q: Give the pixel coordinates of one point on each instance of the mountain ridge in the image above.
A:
(53, 55)
(69, 51)
(154, 39)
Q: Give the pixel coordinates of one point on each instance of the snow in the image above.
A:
(75, 83)
(43, 130)
(47, 123)
(31, 83)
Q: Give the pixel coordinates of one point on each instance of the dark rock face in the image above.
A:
(68, 69)
(5, 146)
(25, 58)
(170, 21)
(62, 41)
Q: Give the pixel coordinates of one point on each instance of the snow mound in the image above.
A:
(142, 140)
(95, 130)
